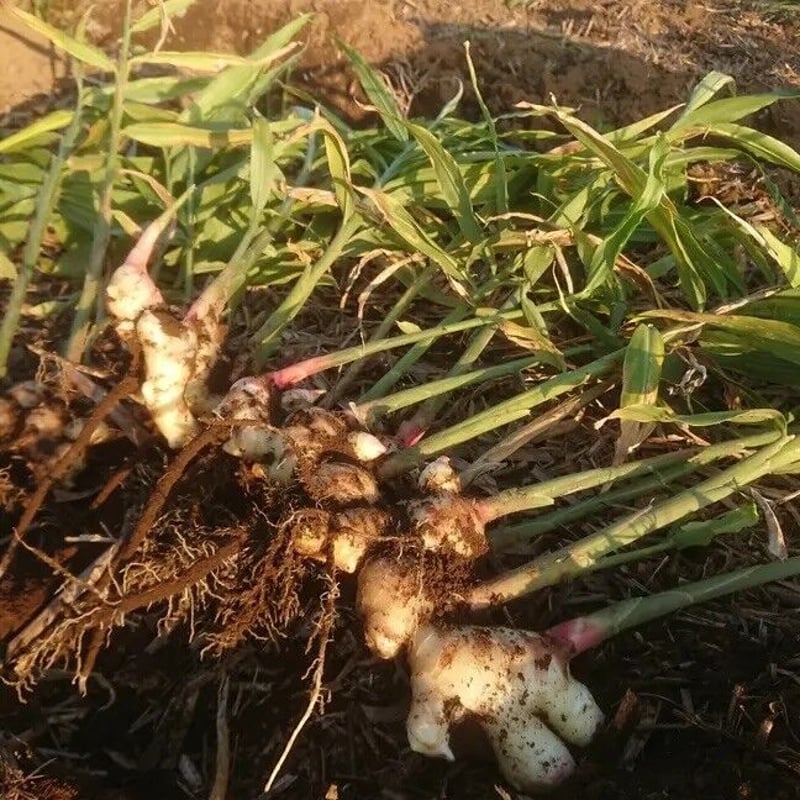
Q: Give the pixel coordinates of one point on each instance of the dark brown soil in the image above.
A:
(705, 701)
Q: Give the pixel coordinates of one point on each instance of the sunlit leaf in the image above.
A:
(54, 121)
(82, 51)
(164, 9)
(378, 93)
(652, 413)
(708, 88)
(451, 182)
(173, 134)
(262, 164)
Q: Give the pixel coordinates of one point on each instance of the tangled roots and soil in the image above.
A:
(262, 592)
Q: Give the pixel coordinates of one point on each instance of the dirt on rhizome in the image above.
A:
(219, 625)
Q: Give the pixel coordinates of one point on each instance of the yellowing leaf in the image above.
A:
(529, 338)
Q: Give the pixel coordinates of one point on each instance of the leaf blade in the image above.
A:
(81, 51)
(380, 97)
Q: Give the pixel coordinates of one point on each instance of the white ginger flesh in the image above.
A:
(391, 600)
(178, 356)
(365, 446)
(448, 523)
(178, 360)
(210, 334)
(130, 291)
(439, 477)
(249, 399)
(514, 685)
(169, 350)
(353, 532)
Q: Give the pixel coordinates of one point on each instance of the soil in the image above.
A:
(616, 61)
(702, 705)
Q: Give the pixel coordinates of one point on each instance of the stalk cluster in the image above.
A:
(414, 561)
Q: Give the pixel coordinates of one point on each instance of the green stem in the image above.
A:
(188, 264)
(218, 293)
(585, 632)
(90, 294)
(293, 374)
(661, 471)
(373, 411)
(502, 414)
(408, 359)
(398, 309)
(233, 276)
(45, 202)
(574, 559)
(412, 430)
(519, 437)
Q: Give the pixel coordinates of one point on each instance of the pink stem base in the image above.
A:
(578, 635)
(408, 434)
(296, 373)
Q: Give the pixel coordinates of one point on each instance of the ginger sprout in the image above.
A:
(129, 292)
(366, 447)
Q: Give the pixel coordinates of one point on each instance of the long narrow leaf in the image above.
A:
(401, 221)
(378, 93)
(165, 9)
(82, 51)
(451, 182)
(54, 121)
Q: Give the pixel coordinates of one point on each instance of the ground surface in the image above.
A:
(618, 61)
(717, 689)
